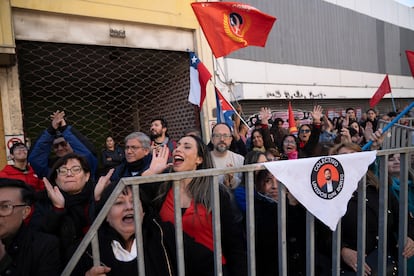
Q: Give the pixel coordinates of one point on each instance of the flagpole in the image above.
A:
(237, 113)
(390, 124)
(226, 82)
(393, 102)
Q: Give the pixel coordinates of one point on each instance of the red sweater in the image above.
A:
(196, 224)
(28, 176)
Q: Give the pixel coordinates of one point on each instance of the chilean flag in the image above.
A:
(224, 109)
(199, 76)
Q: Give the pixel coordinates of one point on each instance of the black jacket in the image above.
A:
(69, 224)
(31, 253)
(199, 260)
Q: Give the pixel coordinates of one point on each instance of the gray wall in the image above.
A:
(319, 34)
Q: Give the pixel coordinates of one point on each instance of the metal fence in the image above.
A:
(406, 155)
(398, 135)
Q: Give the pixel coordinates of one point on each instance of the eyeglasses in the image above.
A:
(133, 148)
(7, 209)
(221, 136)
(288, 142)
(305, 131)
(61, 144)
(64, 171)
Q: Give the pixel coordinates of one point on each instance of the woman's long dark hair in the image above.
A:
(200, 187)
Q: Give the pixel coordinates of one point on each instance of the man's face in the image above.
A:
(157, 130)
(134, 150)
(221, 138)
(328, 175)
(61, 147)
(19, 153)
(10, 224)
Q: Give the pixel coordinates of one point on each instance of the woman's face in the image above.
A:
(271, 186)
(110, 142)
(185, 155)
(304, 133)
(257, 139)
(394, 164)
(121, 215)
(289, 144)
(355, 126)
(71, 177)
(262, 158)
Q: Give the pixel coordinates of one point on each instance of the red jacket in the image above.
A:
(28, 176)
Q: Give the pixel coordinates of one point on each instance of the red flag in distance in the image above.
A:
(410, 58)
(292, 123)
(229, 26)
(384, 88)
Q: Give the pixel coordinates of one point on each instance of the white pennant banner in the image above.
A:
(325, 184)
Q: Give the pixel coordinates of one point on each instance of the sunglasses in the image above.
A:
(61, 144)
(305, 130)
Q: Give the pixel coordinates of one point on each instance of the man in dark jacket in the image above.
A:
(137, 157)
(23, 251)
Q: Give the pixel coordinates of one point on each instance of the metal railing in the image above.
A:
(397, 136)
(91, 236)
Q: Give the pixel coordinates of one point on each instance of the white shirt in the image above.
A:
(231, 159)
(122, 254)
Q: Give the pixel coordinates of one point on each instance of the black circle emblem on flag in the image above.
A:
(236, 22)
(327, 177)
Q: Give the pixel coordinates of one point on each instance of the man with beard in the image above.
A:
(159, 135)
(330, 185)
(223, 157)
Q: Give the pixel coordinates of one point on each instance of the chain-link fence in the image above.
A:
(103, 90)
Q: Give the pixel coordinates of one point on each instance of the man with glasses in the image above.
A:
(22, 250)
(138, 157)
(222, 157)
(62, 139)
(21, 169)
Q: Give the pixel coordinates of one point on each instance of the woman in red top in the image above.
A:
(189, 155)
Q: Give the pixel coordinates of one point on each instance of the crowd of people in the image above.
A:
(52, 192)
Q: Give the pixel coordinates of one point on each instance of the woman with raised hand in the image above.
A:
(192, 154)
(66, 211)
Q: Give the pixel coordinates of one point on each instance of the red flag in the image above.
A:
(199, 76)
(410, 58)
(384, 88)
(292, 124)
(229, 26)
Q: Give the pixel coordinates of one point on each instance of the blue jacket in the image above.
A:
(39, 153)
